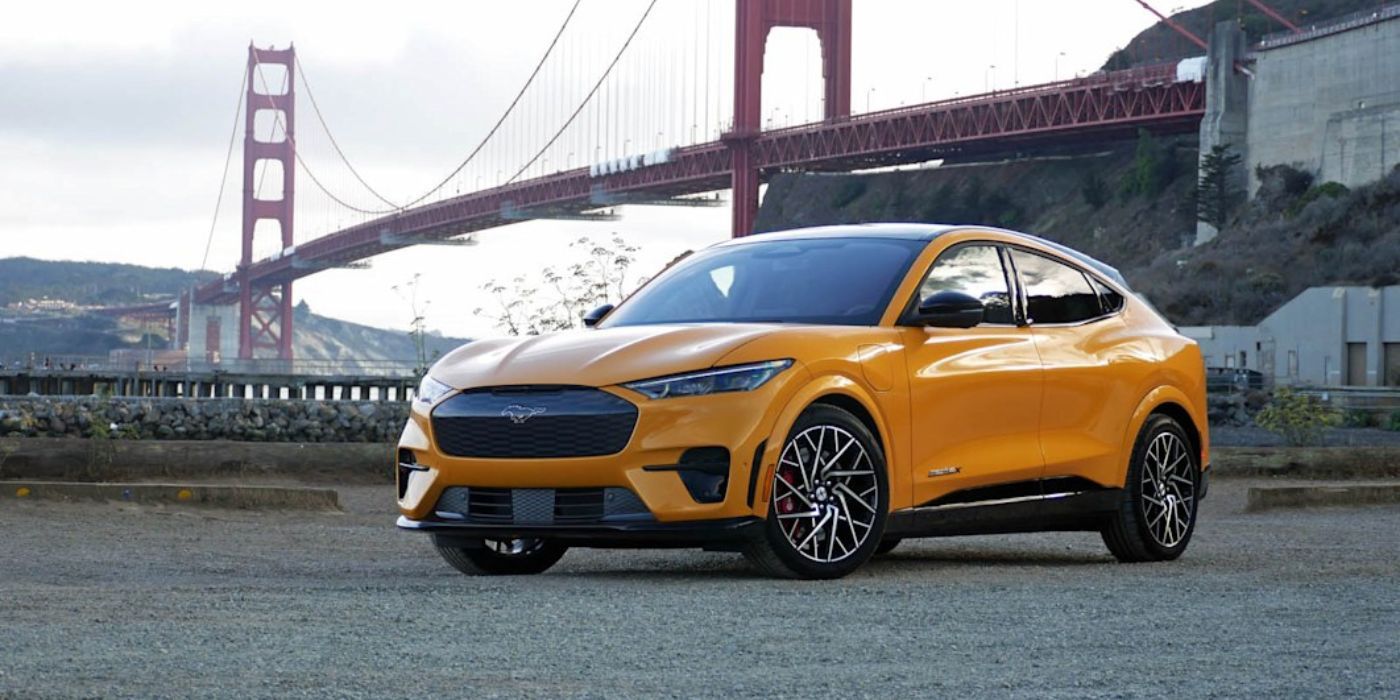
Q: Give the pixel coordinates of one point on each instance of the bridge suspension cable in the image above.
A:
(223, 179)
(306, 83)
(510, 109)
(587, 98)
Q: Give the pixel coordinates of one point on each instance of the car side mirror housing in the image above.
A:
(592, 318)
(949, 309)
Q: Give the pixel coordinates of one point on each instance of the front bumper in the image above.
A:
(725, 533)
(665, 430)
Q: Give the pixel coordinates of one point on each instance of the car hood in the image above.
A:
(599, 357)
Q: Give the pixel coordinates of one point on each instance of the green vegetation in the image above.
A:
(850, 191)
(1394, 422)
(1216, 194)
(1300, 419)
(1153, 169)
(1358, 418)
(86, 283)
(1331, 190)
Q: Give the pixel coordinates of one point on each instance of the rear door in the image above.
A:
(1091, 363)
(975, 393)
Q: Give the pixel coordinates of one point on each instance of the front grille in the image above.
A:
(533, 423)
(491, 506)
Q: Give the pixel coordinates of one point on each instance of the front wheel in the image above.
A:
(500, 557)
(1155, 520)
(829, 499)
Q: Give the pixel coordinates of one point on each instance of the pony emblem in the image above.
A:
(519, 414)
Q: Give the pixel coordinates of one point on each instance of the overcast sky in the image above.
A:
(115, 117)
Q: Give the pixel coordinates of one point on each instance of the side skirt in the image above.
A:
(1083, 510)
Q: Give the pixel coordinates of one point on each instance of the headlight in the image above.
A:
(430, 390)
(710, 381)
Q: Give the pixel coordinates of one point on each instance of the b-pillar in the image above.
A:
(265, 310)
(832, 21)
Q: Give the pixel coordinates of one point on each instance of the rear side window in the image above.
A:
(1055, 292)
(974, 270)
(1111, 301)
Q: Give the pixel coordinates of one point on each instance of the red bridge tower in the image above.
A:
(753, 18)
(265, 312)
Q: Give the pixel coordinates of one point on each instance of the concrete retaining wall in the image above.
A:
(143, 460)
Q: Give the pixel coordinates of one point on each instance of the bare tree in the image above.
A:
(559, 299)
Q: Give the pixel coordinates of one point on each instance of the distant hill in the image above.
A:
(65, 332)
(1160, 43)
(87, 283)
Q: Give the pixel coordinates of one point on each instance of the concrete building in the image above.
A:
(1326, 101)
(1329, 100)
(1326, 336)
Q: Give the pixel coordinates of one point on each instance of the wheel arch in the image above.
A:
(1174, 403)
(838, 391)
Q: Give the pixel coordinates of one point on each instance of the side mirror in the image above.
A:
(950, 310)
(592, 318)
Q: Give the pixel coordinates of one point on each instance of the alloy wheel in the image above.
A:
(1168, 489)
(825, 494)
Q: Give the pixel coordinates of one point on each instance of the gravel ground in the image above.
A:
(124, 601)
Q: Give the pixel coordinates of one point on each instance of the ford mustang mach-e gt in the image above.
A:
(810, 398)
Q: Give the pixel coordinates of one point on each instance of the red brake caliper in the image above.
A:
(788, 504)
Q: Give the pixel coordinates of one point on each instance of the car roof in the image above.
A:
(925, 232)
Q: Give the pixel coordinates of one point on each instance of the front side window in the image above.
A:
(974, 270)
(1055, 292)
(828, 281)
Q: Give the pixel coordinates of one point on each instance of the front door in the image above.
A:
(975, 393)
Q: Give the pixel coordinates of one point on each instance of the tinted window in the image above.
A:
(835, 281)
(1055, 293)
(974, 270)
(1111, 301)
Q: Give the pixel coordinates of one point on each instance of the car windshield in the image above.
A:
(830, 281)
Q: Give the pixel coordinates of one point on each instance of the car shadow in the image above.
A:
(739, 569)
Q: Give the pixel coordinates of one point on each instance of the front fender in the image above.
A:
(818, 388)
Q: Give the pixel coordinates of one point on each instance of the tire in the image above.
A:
(887, 545)
(1157, 516)
(810, 501)
(500, 557)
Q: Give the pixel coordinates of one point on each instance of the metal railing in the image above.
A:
(1365, 398)
(1333, 26)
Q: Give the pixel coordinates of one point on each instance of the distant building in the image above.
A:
(1326, 336)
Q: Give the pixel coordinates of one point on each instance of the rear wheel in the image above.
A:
(829, 499)
(500, 557)
(1158, 513)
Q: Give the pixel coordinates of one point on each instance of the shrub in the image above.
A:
(1094, 189)
(1358, 418)
(1329, 189)
(1394, 423)
(1298, 418)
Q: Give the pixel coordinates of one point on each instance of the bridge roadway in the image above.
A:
(1101, 107)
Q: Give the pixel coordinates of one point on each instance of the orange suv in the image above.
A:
(810, 398)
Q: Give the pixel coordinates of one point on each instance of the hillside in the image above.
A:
(1294, 235)
(69, 331)
(87, 283)
(1161, 43)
